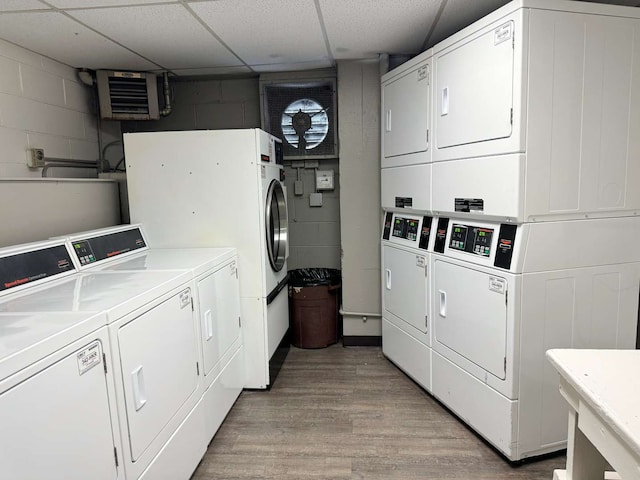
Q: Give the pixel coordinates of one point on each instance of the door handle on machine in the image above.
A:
(387, 127)
(139, 394)
(208, 325)
(388, 279)
(443, 303)
(444, 110)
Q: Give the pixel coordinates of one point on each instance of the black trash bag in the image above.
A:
(313, 277)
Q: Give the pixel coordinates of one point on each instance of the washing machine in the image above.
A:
(407, 244)
(57, 396)
(227, 189)
(152, 331)
(505, 293)
(216, 300)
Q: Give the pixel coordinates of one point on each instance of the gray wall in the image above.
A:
(360, 214)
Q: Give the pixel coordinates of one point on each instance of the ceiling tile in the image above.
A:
(166, 34)
(458, 14)
(365, 28)
(17, 5)
(101, 3)
(186, 72)
(284, 67)
(59, 37)
(268, 31)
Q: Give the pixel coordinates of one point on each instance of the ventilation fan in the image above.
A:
(303, 115)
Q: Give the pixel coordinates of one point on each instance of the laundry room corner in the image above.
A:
(360, 216)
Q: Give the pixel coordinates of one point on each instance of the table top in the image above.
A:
(609, 382)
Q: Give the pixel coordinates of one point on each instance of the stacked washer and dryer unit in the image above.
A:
(222, 188)
(510, 188)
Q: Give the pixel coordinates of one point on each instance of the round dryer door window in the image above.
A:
(276, 225)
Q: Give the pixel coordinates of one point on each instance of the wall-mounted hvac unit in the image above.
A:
(127, 95)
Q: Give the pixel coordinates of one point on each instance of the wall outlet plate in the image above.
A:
(35, 158)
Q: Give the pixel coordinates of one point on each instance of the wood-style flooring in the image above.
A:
(349, 413)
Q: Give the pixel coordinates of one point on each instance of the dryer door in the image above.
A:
(471, 315)
(276, 225)
(404, 290)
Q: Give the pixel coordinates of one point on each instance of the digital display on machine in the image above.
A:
(471, 239)
(387, 226)
(406, 228)
(399, 227)
(92, 250)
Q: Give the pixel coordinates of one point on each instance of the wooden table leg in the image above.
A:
(584, 461)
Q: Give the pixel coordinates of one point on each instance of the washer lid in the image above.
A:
(115, 293)
(25, 338)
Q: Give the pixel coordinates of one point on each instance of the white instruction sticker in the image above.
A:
(497, 284)
(263, 171)
(233, 269)
(89, 357)
(502, 33)
(420, 261)
(185, 298)
(423, 73)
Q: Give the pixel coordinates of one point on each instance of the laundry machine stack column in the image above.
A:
(534, 184)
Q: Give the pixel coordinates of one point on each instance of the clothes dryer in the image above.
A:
(503, 294)
(227, 188)
(406, 295)
(57, 397)
(216, 301)
(153, 335)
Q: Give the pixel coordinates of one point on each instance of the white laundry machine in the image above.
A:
(154, 359)
(227, 188)
(57, 397)
(215, 273)
(406, 296)
(503, 294)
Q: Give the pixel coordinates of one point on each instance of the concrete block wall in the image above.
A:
(207, 105)
(314, 231)
(43, 105)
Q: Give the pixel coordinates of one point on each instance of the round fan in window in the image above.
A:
(304, 124)
(303, 115)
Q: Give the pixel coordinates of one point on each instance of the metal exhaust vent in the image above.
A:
(127, 95)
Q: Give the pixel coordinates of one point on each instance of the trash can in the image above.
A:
(313, 306)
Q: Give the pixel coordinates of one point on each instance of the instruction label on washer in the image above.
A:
(497, 284)
(89, 357)
(234, 269)
(423, 73)
(503, 33)
(185, 298)
(263, 171)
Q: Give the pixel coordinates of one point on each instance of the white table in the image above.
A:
(603, 391)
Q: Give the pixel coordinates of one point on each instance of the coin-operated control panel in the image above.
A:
(470, 239)
(407, 230)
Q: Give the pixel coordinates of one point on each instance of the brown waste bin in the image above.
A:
(313, 306)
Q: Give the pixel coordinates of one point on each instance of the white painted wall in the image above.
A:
(360, 214)
(42, 105)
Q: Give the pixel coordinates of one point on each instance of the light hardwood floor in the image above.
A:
(348, 413)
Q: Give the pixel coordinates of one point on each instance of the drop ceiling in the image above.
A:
(222, 37)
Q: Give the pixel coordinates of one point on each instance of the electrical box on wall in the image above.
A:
(324, 180)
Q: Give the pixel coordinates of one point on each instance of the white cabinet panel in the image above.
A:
(405, 113)
(158, 356)
(404, 286)
(470, 315)
(57, 425)
(406, 187)
(219, 314)
(473, 89)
